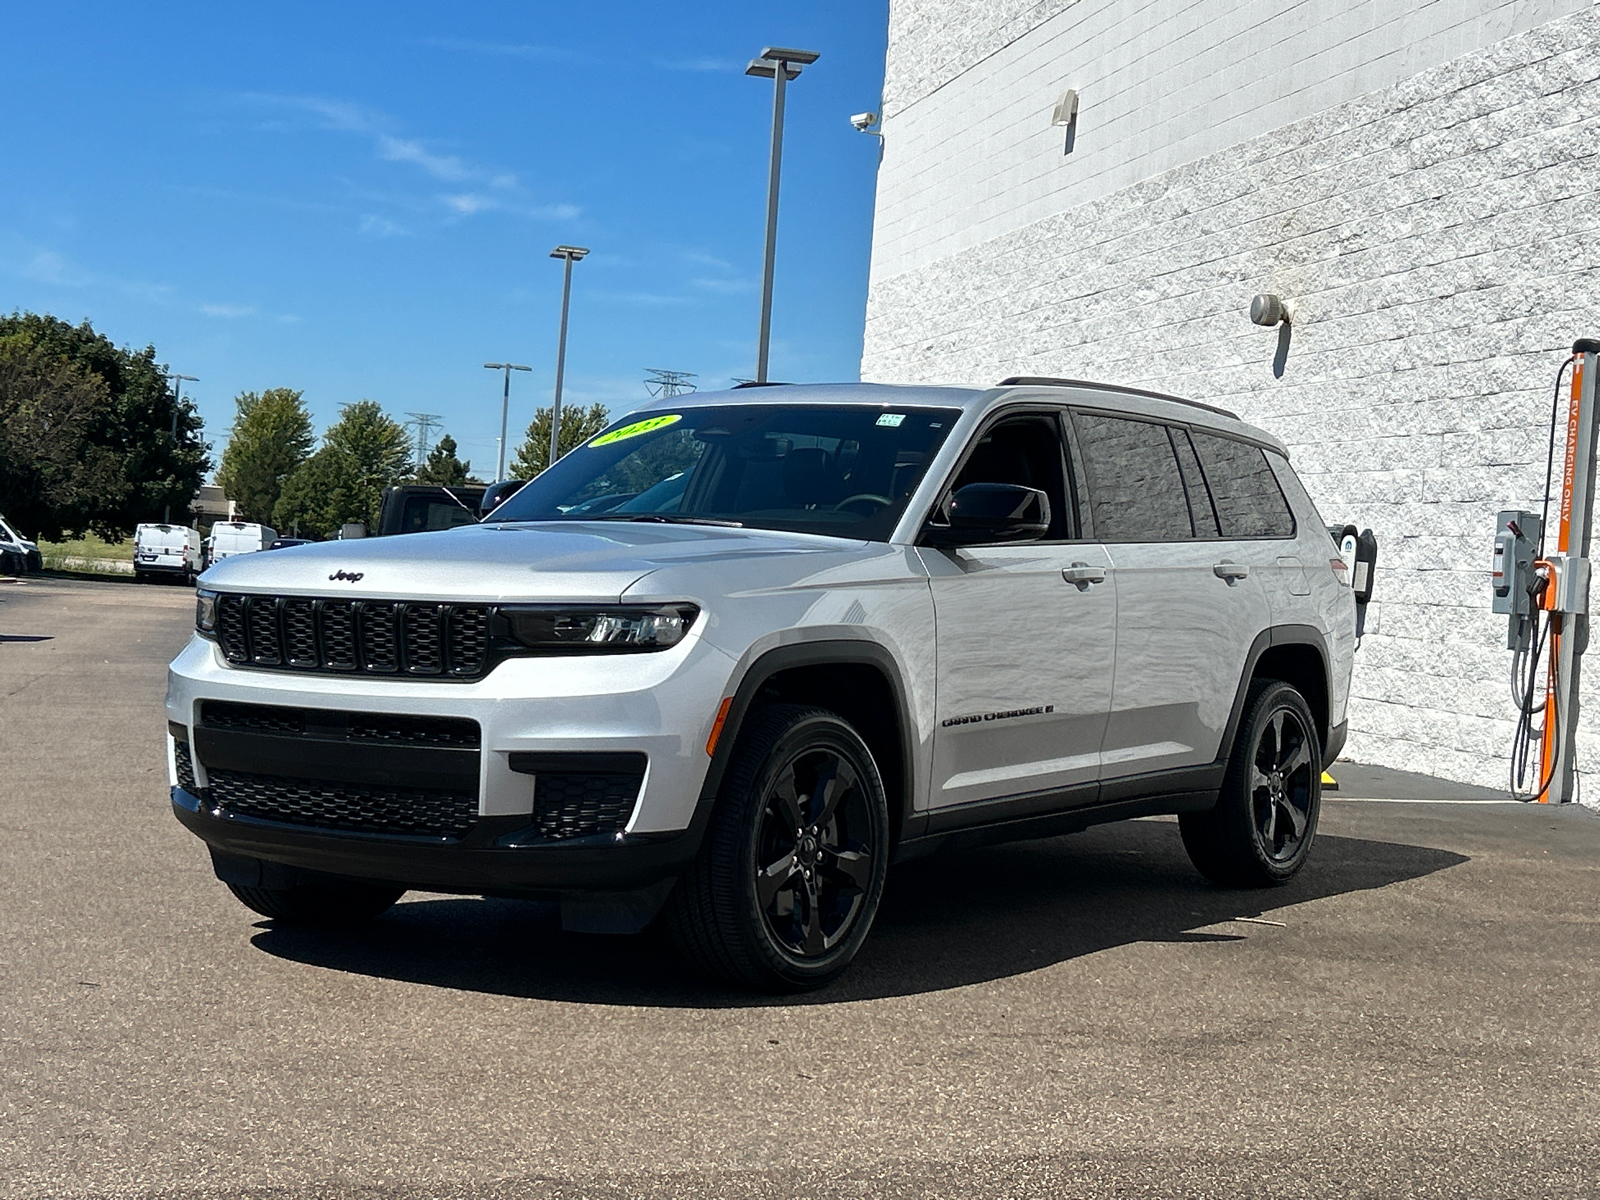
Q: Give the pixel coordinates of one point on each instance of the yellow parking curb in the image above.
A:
(1329, 783)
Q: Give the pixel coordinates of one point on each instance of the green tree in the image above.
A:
(443, 467)
(317, 498)
(51, 475)
(145, 446)
(271, 437)
(578, 425)
(362, 453)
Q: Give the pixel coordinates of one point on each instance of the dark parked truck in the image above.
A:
(427, 508)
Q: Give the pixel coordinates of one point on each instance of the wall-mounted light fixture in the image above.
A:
(1267, 309)
(1065, 117)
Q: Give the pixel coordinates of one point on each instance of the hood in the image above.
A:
(552, 560)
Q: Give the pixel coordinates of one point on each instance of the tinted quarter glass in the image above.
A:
(1135, 489)
(1248, 500)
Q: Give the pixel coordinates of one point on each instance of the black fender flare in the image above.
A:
(831, 652)
(1267, 639)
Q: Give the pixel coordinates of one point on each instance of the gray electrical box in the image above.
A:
(1516, 543)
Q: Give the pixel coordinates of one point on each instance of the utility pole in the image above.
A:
(505, 408)
(667, 384)
(780, 66)
(177, 403)
(570, 254)
(426, 423)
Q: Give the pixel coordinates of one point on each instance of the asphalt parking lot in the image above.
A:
(1414, 1016)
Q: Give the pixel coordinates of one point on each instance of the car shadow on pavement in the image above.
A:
(947, 920)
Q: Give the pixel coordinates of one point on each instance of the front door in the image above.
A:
(1026, 637)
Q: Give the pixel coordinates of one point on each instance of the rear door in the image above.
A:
(1026, 635)
(1189, 604)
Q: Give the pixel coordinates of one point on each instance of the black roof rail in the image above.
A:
(744, 383)
(1050, 381)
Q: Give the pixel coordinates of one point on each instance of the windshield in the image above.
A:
(845, 470)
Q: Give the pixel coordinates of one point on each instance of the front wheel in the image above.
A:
(1261, 830)
(319, 903)
(789, 876)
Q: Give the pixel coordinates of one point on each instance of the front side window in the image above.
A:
(1248, 501)
(845, 470)
(1135, 488)
(1024, 450)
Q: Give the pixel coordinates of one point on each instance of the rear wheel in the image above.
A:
(319, 903)
(789, 876)
(1261, 830)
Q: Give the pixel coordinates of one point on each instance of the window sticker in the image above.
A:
(891, 420)
(637, 429)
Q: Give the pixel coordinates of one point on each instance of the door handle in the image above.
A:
(1231, 571)
(1081, 575)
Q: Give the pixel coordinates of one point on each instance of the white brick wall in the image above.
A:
(969, 152)
(1438, 235)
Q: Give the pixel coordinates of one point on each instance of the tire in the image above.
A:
(326, 904)
(789, 875)
(1261, 831)
(9, 564)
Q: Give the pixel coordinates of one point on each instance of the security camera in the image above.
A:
(864, 121)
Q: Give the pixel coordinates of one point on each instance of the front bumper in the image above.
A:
(489, 860)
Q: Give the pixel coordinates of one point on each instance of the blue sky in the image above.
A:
(358, 200)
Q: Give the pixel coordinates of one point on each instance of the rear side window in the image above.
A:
(1245, 493)
(1136, 491)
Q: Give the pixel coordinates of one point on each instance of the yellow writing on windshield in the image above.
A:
(637, 429)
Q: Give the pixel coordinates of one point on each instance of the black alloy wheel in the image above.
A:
(1261, 830)
(792, 867)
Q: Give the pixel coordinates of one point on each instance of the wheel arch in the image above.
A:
(1298, 655)
(859, 680)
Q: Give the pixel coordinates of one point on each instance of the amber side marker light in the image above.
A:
(716, 726)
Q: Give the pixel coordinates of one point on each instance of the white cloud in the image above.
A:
(726, 287)
(373, 225)
(440, 166)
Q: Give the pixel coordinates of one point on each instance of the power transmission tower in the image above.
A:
(668, 383)
(426, 423)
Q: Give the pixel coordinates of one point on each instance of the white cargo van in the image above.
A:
(172, 551)
(237, 537)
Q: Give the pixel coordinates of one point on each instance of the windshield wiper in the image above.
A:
(677, 519)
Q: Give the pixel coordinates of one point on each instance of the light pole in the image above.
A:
(505, 408)
(571, 254)
(780, 66)
(177, 397)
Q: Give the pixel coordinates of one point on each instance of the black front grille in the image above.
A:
(351, 807)
(569, 805)
(370, 637)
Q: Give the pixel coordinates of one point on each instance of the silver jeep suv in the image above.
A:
(731, 658)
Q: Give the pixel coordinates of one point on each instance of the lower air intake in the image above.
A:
(569, 805)
(347, 807)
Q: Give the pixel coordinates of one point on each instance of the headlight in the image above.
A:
(205, 613)
(600, 628)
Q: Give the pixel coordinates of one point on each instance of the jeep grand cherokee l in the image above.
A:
(729, 659)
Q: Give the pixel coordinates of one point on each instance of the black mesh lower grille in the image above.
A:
(352, 807)
(185, 766)
(582, 805)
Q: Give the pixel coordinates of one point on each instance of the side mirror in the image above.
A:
(497, 494)
(991, 512)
